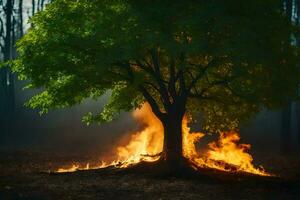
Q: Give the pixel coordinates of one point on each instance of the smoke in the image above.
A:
(61, 131)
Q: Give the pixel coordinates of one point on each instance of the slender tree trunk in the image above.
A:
(289, 9)
(42, 4)
(297, 5)
(38, 5)
(298, 123)
(7, 43)
(285, 132)
(8, 28)
(6, 107)
(286, 128)
(8, 54)
(33, 7)
(21, 18)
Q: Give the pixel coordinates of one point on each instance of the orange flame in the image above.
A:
(225, 154)
(144, 145)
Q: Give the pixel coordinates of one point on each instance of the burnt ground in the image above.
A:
(22, 176)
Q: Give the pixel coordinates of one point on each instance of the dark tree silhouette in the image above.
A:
(286, 114)
(292, 10)
(297, 6)
(6, 78)
(21, 29)
(32, 7)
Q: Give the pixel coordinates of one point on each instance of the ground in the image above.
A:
(23, 176)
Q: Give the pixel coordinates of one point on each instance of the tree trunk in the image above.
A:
(21, 18)
(286, 129)
(289, 9)
(172, 150)
(298, 123)
(6, 106)
(33, 7)
(42, 4)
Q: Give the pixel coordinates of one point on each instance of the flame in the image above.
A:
(225, 154)
(189, 140)
(146, 145)
(73, 168)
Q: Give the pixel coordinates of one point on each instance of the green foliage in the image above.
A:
(225, 59)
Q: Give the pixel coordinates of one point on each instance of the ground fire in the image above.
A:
(226, 154)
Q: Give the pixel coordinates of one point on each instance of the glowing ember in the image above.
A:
(71, 169)
(225, 154)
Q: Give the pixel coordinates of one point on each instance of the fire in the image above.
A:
(73, 168)
(146, 145)
(225, 154)
(228, 150)
(189, 140)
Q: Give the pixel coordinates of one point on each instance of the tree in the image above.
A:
(292, 10)
(7, 100)
(297, 21)
(21, 18)
(225, 60)
(286, 114)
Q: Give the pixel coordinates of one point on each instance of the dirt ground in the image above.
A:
(23, 176)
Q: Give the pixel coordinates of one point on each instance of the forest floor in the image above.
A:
(23, 176)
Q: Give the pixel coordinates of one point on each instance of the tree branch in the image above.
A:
(152, 102)
(153, 86)
(146, 94)
(172, 80)
(180, 75)
(126, 66)
(158, 77)
(212, 84)
(202, 73)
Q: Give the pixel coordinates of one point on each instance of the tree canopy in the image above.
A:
(224, 59)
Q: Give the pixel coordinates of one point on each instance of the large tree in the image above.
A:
(224, 59)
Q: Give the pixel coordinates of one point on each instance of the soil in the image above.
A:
(26, 175)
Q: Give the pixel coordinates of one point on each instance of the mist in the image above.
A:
(63, 132)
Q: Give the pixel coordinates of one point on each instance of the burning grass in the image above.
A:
(226, 154)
